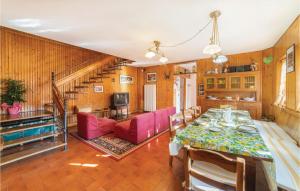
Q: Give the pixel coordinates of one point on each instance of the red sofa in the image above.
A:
(171, 110)
(144, 126)
(161, 120)
(136, 130)
(89, 126)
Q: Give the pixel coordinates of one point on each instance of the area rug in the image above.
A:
(114, 147)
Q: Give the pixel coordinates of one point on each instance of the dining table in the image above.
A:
(234, 134)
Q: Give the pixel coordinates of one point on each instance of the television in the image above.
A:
(120, 99)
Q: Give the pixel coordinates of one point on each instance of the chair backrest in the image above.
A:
(189, 115)
(176, 121)
(197, 111)
(236, 165)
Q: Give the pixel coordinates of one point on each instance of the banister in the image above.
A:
(81, 72)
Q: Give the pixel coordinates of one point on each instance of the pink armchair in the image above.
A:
(90, 127)
(136, 130)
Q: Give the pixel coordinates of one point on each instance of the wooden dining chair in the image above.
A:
(177, 122)
(205, 169)
(189, 115)
(197, 111)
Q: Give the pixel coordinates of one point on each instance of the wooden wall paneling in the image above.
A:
(288, 118)
(268, 84)
(164, 87)
(32, 59)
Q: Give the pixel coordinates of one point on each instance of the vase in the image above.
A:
(13, 110)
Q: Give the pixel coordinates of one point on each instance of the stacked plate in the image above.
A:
(247, 129)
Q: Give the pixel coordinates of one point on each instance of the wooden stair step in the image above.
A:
(103, 75)
(28, 139)
(31, 152)
(70, 98)
(71, 92)
(75, 92)
(48, 105)
(81, 87)
(23, 128)
(96, 77)
(87, 82)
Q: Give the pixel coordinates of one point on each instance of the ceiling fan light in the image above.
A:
(212, 49)
(220, 59)
(150, 54)
(163, 59)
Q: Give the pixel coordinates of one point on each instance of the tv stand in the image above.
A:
(120, 115)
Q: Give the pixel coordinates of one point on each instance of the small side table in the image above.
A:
(120, 115)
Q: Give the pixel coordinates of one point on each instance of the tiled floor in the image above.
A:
(83, 168)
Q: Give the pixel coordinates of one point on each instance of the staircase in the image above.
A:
(76, 80)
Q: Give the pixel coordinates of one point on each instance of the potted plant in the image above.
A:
(13, 95)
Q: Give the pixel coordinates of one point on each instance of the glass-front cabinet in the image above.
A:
(210, 83)
(221, 83)
(231, 81)
(235, 82)
(249, 82)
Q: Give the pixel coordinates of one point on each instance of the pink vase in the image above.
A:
(12, 109)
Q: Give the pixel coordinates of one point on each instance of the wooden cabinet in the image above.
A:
(235, 82)
(210, 83)
(221, 83)
(241, 81)
(237, 85)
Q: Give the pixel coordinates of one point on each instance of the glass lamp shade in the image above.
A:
(163, 59)
(212, 49)
(150, 54)
(220, 59)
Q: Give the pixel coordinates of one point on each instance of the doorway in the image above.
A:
(185, 86)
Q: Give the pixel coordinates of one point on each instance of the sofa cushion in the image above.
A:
(106, 125)
(87, 121)
(124, 125)
(137, 130)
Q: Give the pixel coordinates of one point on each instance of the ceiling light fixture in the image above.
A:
(213, 48)
(154, 50)
(220, 59)
(214, 45)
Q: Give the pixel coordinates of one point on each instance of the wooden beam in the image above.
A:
(85, 70)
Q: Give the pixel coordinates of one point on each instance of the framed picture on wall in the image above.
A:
(98, 89)
(124, 79)
(151, 77)
(290, 59)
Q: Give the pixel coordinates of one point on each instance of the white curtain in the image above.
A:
(281, 97)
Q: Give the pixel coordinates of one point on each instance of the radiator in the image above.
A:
(149, 97)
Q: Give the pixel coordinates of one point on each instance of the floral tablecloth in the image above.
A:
(227, 139)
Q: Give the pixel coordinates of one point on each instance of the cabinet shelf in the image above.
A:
(25, 115)
(31, 151)
(28, 139)
(5, 131)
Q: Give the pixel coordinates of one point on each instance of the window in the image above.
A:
(281, 97)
